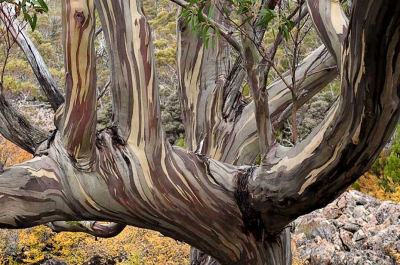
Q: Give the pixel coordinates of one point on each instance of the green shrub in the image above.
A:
(392, 165)
(387, 166)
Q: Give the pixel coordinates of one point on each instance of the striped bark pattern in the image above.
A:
(353, 133)
(202, 75)
(330, 22)
(129, 174)
(79, 116)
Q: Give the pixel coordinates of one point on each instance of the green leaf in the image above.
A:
(285, 31)
(43, 5)
(28, 18)
(241, 10)
(205, 35)
(200, 14)
(247, 19)
(226, 11)
(209, 11)
(267, 16)
(33, 24)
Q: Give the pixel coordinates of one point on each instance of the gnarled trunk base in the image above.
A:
(276, 251)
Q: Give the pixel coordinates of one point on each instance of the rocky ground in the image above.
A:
(354, 229)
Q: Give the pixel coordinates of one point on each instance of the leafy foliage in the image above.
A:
(28, 9)
(383, 179)
(132, 246)
(371, 184)
(198, 14)
(392, 165)
(387, 166)
(10, 154)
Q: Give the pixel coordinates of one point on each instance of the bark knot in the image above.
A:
(252, 221)
(79, 18)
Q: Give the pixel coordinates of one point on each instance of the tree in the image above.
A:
(211, 195)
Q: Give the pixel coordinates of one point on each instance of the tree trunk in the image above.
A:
(207, 196)
(276, 249)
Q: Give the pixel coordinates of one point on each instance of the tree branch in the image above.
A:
(98, 31)
(181, 3)
(354, 132)
(202, 96)
(227, 35)
(93, 228)
(271, 52)
(236, 75)
(32, 193)
(103, 91)
(36, 61)
(319, 68)
(331, 23)
(79, 118)
(17, 129)
(260, 29)
(257, 83)
(134, 83)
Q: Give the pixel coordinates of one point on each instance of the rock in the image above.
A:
(359, 235)
(346, 238)
(351, 226)
(353, 229)
(359, 211)
(54, 262)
